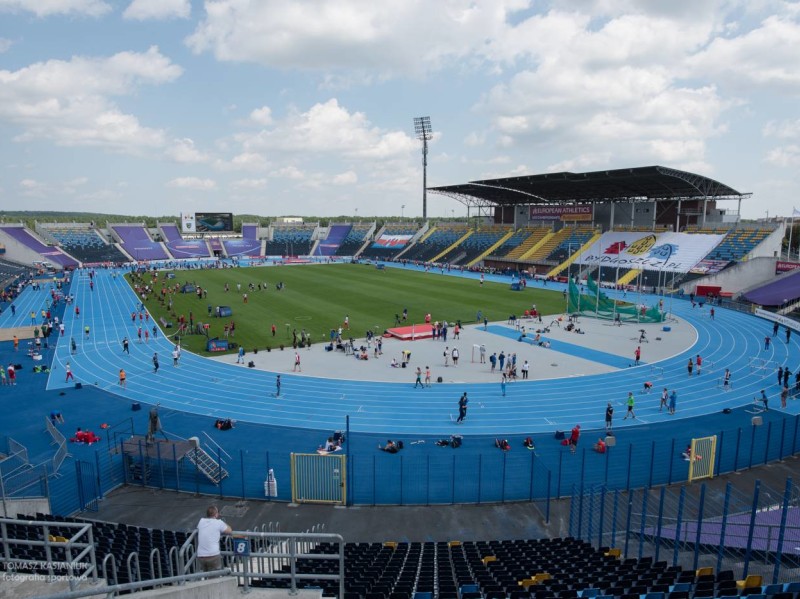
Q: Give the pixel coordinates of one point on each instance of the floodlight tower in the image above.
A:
(422, 127)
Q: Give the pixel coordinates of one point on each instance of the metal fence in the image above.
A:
(60, 440)
(420, 477)
(753, 532)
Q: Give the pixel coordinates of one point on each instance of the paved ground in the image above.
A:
(600, 336)
(180, 511)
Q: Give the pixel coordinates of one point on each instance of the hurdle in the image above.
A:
(721, 384)
(757, 407)
(761, 364)
(656, 371)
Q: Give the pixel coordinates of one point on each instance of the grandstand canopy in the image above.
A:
(645, 183)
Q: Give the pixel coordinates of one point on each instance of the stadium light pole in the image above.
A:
(422, 127)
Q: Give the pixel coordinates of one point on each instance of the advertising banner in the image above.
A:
(708, 267)
(391, 241)
(564, 213)
(782, 267)
(187, 222)
(667, 252)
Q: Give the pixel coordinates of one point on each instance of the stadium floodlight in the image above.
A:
(422, 127)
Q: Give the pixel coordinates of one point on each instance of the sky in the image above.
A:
(306, 107)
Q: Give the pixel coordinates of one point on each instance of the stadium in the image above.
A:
(500, 475)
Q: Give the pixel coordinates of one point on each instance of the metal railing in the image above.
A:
(695, 526)
(78, 563)
(60, 440)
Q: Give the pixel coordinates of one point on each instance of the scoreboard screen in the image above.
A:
(213, 222)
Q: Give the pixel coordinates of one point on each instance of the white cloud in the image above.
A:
(785, 156)
(262, 116)
(185, 152)
(70, 102)
(388, 36)
(192, 183)
(289, 172)
(346, 178)
(616, 81)
(46, 8)
(328, 128)
(762, 57)
(159, 10)
(788, 129)
(475, 139)
(250, 184)
(33, 188)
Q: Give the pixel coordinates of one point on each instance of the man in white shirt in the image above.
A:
(209, 530)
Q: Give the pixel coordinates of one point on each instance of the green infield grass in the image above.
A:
(318, 297)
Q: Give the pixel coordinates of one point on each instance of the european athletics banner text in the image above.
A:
(668, 252)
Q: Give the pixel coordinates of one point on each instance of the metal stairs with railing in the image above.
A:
(212, 469)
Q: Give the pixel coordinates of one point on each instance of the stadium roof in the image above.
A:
(637, 184)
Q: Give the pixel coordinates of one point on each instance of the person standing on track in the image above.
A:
(418, 382)
(609, 417)
(155, 363)
(630, 403)
(462, 408)
(574, 437)
(278, 386)
(297, 363)
(68, 368)
(122, 377)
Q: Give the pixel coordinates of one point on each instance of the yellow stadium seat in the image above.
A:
(752, 580)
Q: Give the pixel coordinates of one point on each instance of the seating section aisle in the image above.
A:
(475, 245)
(571, 243)
(737, 243)
(536, 235)
(137, 243)
(442, 238)
(354, 240)
(292, 240)
(392, 240)
(183, 248)
(10, 270)
(512, 243)
(86, 245)
(549, 246)
(330, 245)
(48, 253)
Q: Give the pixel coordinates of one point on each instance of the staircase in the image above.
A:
(629, 276)
(535, 237)
(413, 244)
(207, 465)
(453, 246)
(500, 242)
(544, 248)
(565, 264)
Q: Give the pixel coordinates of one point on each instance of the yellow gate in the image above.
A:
(701, 458)
(319, 478)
